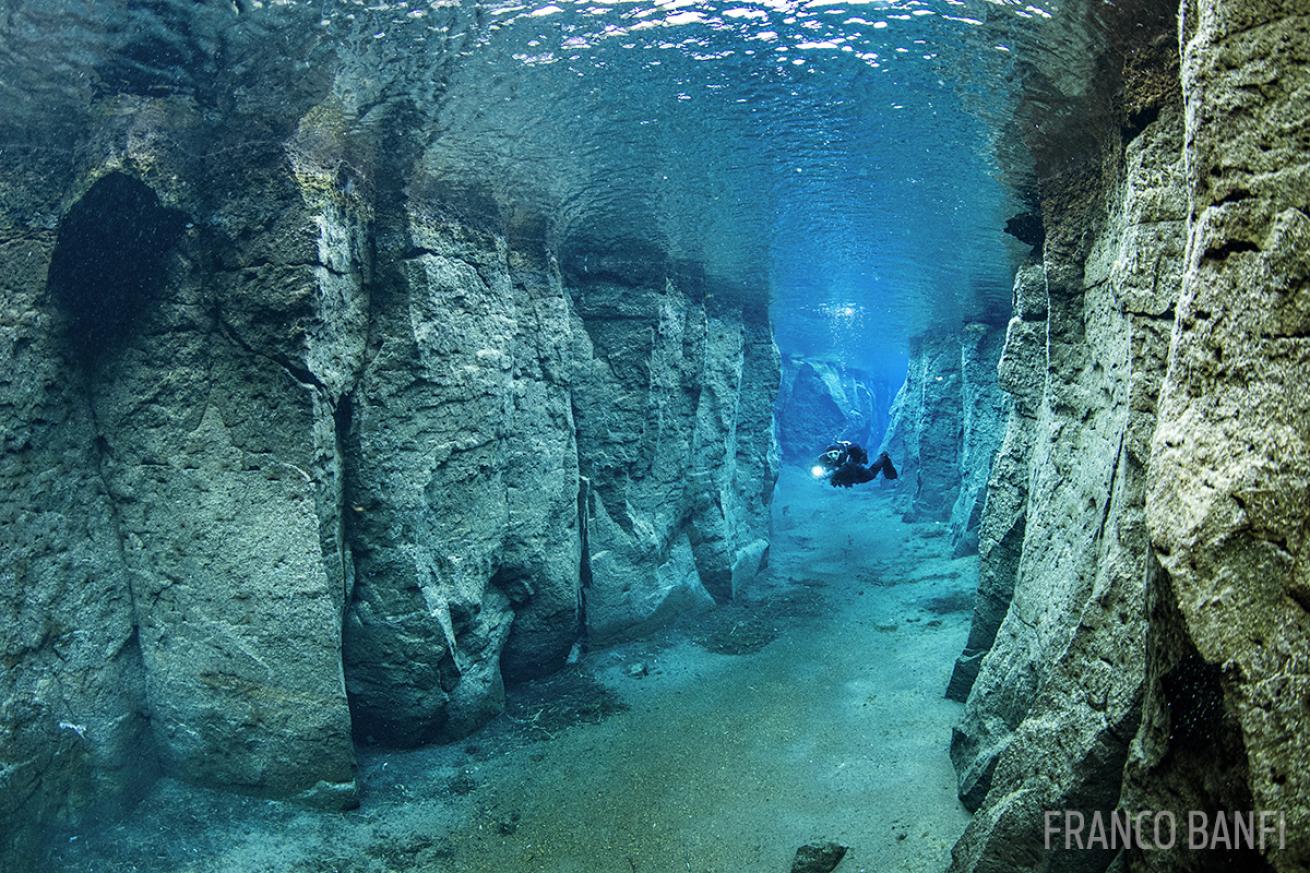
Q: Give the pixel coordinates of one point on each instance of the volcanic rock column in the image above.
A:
(219, 448)
(1058, 695)
(1000, 538)
(73, 729)
(1228, 505)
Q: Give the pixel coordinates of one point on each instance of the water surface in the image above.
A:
(838, 158)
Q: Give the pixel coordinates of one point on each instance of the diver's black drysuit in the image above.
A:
(849, 459)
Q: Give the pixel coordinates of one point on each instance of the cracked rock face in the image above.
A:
(945, 424)
(1228, 503)
(983, 409)
(344, 466)
(72, 714)
(462, 486)
(216, 444)
(198, 498)
(660, 387)
(1058, 689)
(1004, 515)
(1156, 665)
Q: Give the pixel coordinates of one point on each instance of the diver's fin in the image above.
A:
(888, 470)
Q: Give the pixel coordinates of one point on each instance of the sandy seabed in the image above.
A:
(810, 710)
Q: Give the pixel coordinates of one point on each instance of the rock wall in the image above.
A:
(203, 639)
(926, 430)
(462, 483)
(74, 734)
(291, 461)
(677, 478)
(1058, 693)
(216, 441)
(1137, 636)
(1227, 502)
(819, 402)
(1005, 510)
(946, 423)
(983, 409)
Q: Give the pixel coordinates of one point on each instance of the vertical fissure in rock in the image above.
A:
(342, 422)
(146, 758)
(100, 447)
(584, 559)
(1109, 490)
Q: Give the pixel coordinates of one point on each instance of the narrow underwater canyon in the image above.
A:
(311, 445)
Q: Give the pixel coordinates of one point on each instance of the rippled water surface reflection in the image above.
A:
(838, 155)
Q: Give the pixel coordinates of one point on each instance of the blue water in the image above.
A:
(838, 157)
(852, 164)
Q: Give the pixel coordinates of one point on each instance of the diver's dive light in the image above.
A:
(818, 471)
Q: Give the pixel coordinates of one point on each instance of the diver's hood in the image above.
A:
(834, 457)
(829, 462)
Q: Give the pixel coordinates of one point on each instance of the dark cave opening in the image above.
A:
(110, 260)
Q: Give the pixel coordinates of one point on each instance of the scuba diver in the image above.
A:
(843, 465)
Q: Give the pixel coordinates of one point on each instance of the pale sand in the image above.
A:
(724, 763)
